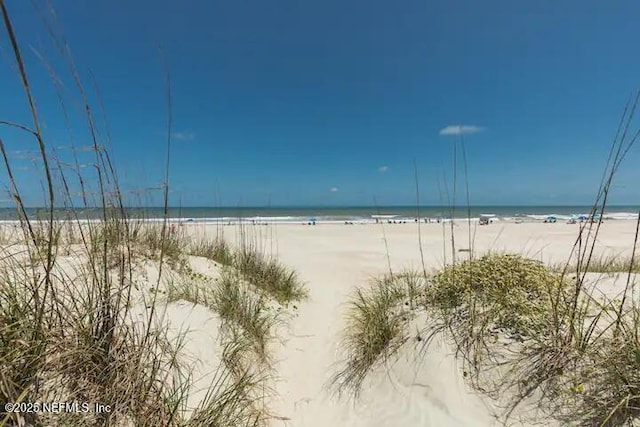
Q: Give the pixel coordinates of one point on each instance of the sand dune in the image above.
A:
(333, 260)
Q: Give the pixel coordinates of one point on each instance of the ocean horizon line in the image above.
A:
(323, 206)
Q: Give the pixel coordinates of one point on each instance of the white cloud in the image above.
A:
(383, 169)
(183, 136)
(461, 130)
(334, 189)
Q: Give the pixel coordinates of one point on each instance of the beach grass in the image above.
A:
(80, 329)
(376, 327)
(242, 307)
(216, 249)
(608, 264)
(261, 270)
(232, 399)
(269, 275)
(506, 291)
(509, 319)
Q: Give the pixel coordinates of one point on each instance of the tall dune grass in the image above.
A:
(68, 331)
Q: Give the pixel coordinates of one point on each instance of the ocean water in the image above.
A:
(339, 214)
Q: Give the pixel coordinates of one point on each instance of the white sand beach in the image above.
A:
(423, 386)
(333, 260)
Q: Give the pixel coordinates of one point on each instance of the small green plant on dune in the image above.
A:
(242, 307)
(498, 290)
(216, 249)
(159, 239)
(196, 290)
(376, 327)
(269, 275)
(232, 399)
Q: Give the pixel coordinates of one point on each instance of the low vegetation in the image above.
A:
(376, 327)
(610, 264)
(216, 249)
(513, 322)
(241, 307)
(261, 270)
(269, 275)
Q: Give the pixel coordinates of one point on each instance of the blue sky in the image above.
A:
(282, 102)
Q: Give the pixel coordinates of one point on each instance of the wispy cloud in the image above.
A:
(460, 130)
(383, 169)
(183, 136)
(334, 189)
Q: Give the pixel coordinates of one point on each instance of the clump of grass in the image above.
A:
(41, 233)
(232, 400)
(267, 274)
(503, 291)
(159, 239)
(607, 382)
(189, 289)
(475, 301)
(262, 271)
(376, 327)
(505, 315)
(216, 249)
(22, 345)
(240, 306)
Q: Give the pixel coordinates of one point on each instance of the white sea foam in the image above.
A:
(621, 215)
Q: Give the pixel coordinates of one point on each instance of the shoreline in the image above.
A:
(349, 220)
